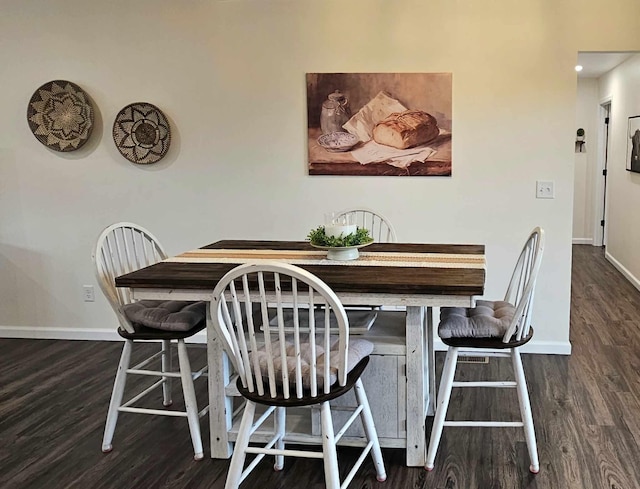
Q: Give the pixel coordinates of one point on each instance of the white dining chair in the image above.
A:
(382, 231)
(379, 227)
(122, 248)
(494, 329)
(281, 367)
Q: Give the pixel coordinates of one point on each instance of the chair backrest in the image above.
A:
(122, 248)
(379, 226)
(261, 313)
(522, 285)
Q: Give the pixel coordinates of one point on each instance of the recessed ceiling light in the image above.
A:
(578, 67)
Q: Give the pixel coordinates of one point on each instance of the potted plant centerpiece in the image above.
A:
(340, 238)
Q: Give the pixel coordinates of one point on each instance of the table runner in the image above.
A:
(303, 257)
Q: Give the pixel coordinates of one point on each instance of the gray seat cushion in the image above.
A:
(489, 319)
(358, 349)
(166, 315)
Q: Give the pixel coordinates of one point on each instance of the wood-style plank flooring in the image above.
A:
(54, 397)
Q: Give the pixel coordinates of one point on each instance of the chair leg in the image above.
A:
(370, 430)
(330, 454)
(166, 367)
(446, 384)
(525, 410)
(242, 442)
(190, 400)
(280, 420)
(116, 396)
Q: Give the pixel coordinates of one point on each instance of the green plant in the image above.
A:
(318, 237)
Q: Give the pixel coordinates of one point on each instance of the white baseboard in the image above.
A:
(40, 333)
(538, 347)
(587, 241)
(621, 268)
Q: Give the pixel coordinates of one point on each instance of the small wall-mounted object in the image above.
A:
(580, 142)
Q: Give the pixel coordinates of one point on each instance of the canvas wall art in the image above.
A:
(373, 124)
(633, 150)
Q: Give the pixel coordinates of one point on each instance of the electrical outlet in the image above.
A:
(544, 190)
(88, 293)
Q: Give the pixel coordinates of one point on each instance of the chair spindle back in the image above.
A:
(122, 248)
(379, 227)
(279, 349)
(521, 288)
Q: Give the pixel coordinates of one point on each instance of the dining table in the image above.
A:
(409, 278)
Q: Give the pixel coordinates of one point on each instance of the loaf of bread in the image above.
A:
(406, 129)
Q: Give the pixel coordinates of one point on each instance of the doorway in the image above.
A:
(591, 135)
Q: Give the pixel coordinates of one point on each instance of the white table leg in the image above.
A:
(220, 406)
(417, 388)
(431, 361)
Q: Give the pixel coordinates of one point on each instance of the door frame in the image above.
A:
(600, 195)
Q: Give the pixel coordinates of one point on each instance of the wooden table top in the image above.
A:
(341, 278)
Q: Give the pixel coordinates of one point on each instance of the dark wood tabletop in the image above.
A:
(357, 279)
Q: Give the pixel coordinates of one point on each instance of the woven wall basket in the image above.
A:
(141, 133)
(60, 115)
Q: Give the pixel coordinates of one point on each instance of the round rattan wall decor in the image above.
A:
(60, 115)
(141, 133)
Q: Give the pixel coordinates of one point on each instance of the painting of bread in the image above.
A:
(406, 129)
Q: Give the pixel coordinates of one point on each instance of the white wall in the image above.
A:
(230, 76)
(623, 187)
(585, 162)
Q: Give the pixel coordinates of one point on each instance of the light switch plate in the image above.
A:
(88, 293)
(544, 190)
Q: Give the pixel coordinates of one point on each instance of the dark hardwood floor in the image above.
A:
(54, 397)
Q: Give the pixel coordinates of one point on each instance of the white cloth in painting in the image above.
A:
(379, 107)
(373, 152)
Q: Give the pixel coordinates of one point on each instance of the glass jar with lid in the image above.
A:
(335, 113)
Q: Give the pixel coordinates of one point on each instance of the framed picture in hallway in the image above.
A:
(633, 144)
(379, 124)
